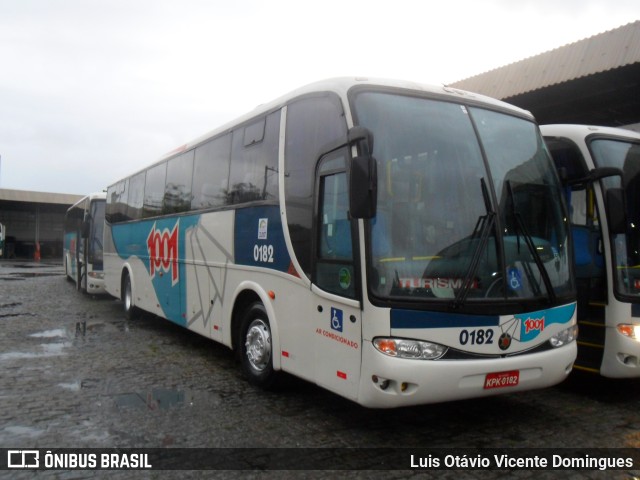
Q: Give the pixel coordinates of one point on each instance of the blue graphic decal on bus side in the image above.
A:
(521, 327)
(259, 240)
(160, 245)
(533, 324)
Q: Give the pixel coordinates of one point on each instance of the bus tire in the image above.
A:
(78, 278)
(130, 310)
(256, 349)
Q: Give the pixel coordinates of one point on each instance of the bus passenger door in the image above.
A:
(337, 319)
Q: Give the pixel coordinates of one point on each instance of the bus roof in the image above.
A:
(341, 87)
(92, 196)
(583, 131)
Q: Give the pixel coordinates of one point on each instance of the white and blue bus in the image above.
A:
(82, 243)
(395, 243)
(601, 169)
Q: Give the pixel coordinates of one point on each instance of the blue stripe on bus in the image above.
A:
(419, 319)
(530, 324)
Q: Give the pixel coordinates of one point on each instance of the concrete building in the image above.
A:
(32, 219)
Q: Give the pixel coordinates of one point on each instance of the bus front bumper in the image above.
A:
(388, 382)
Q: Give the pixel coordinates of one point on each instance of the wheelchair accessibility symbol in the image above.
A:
(515, 279)
(336, 319)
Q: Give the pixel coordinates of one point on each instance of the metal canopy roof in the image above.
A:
(37, 197)
(595, 80)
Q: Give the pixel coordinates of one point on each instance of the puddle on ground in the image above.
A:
(18, 272)
(157, 398)
(58, 332)
(84, 329)
(23, 275)
(22, 431)
(10, 305)
(8, 315)
(16, 314)
(24, 265)
(74, 387)
(45, 350)
(31, 265)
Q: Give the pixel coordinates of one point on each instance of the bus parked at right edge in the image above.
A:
(82, 244)
(600, 167)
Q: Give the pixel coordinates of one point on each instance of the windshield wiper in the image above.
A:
(528, 240)
(484, 225)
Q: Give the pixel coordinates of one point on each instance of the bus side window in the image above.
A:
(334, 270)
(136, 196)
(211, 173)
(312, 123)
(254, 161)
(335, 241)
(117, 202)
(154, 190)
(177, 190)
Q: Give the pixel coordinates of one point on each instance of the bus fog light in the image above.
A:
(628, 360)
(564, 337)
(383, 383)
(631, 331)
(403, 348)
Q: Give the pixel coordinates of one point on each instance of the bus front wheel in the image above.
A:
(256, 348)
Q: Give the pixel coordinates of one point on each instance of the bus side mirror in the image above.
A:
(604, 172)
(615, 207)
(593, 176)
(563, 175)
(85, 228)
(363, 178)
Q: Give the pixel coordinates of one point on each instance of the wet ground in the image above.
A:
(76, 374)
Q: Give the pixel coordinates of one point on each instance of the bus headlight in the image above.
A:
(99, 275)
(567, 335)
(631, 331)
(403, 348)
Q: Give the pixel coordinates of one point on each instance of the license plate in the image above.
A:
(502, 379)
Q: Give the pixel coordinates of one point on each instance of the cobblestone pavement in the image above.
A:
(76, 374)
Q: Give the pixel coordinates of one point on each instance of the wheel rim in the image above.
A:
(127, 295)
(258, 345)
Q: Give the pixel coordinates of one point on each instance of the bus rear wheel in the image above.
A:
(130, 311)
(256, 347)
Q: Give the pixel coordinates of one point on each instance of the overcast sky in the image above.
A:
(92, 90)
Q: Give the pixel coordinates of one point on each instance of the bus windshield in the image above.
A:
(624, 155)
(468, 205)
(95, 235)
